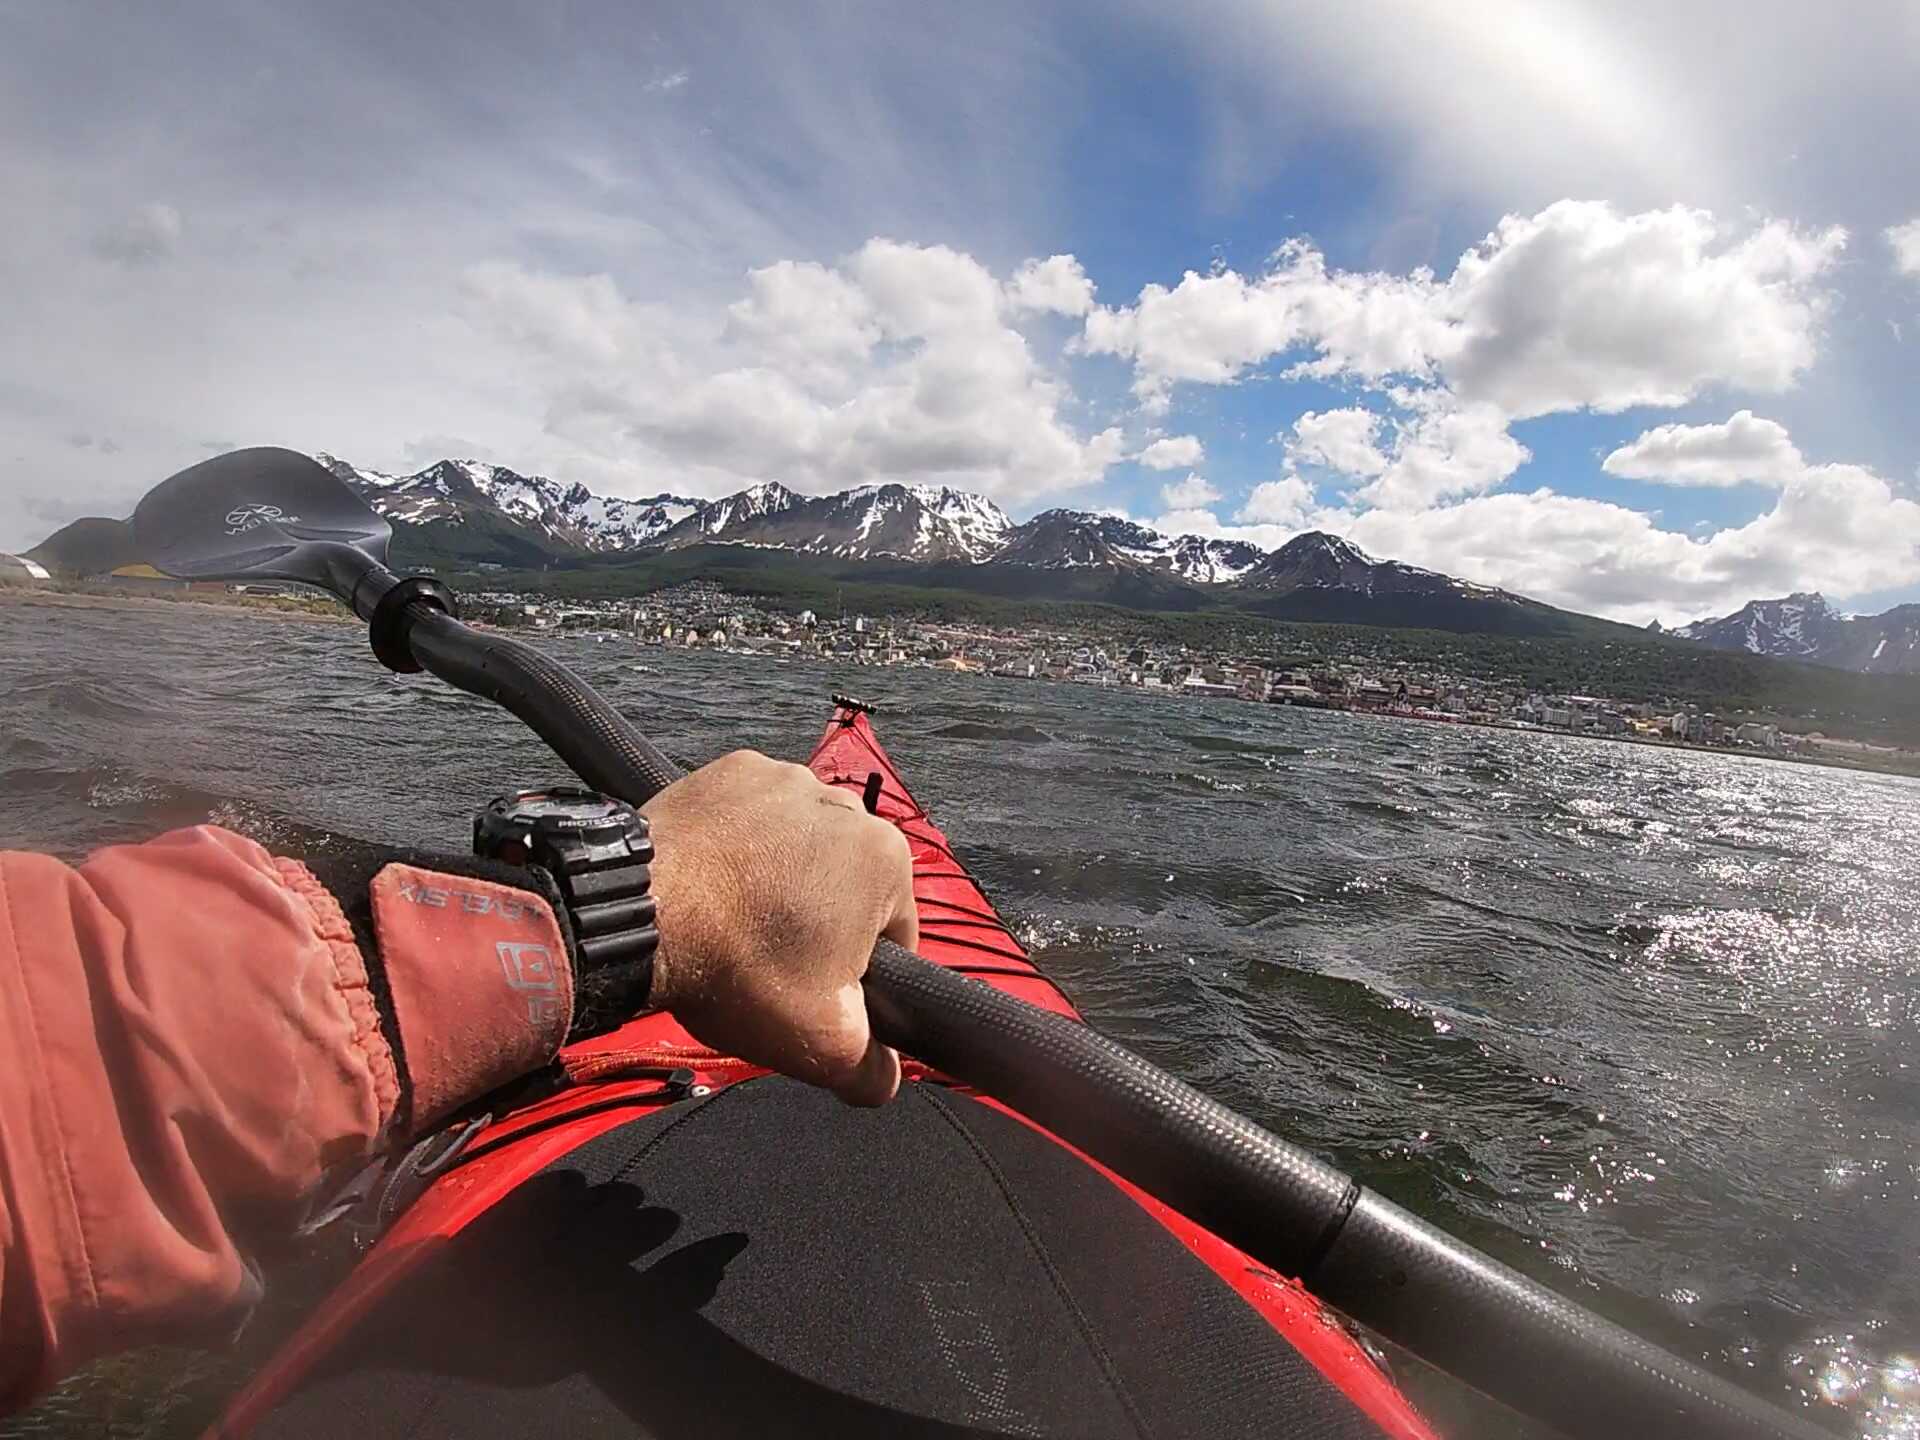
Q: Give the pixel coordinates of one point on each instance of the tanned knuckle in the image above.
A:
(894, 846)
(840, 1053)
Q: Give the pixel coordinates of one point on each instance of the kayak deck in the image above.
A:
(652, 1062)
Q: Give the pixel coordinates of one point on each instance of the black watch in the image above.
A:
(600, 854)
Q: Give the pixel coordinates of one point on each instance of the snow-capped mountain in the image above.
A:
(1072, 539)
(1211, 562)
(464, 511)
(1317, 560)
(1799, 626)
(910, 522)
(979, 526)
(731, 515)
(926, 523)
(1805, 627)
(615, 523)
(457, 492)
(929, 524)
(1317, 576)
(1888, 644)
(466, 514)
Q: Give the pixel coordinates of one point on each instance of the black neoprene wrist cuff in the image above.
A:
(603, 996)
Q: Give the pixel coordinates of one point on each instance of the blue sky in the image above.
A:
(1617, 312)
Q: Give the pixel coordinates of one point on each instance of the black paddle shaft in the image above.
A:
(1460, 1310)
(580, 727)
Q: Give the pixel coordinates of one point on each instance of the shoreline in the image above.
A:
(256, 607)
(1865, 759)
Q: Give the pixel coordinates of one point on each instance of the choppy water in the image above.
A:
(1645, 1023)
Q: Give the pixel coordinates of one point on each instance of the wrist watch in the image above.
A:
(600, 854)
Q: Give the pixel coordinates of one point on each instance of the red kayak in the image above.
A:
(650, 1064)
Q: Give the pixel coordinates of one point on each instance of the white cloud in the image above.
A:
(1840, 529)
(1905, 240)
(1579, 307)
(580, 318)
(1576, 307)
(1366, 324)
(1206, 329)
(150, 233)
(1209, 329)
(926, 292)
(667, 83)
(1837, 528)
(1343, 440)
(1173, 452)
(1206, 524)
(1056, 284)
(1437, 449)
(1189, 493)
(1744, 450)
(1441, 450)
(896, 364)
(1287, 503)
(1275, 512)
(814, 321)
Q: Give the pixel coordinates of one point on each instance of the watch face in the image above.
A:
(505, 830)
(573, 806)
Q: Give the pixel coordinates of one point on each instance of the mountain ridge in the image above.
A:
(568, 514)
(925, 523)
(1803, 626)
(470, 514)
(466, 514)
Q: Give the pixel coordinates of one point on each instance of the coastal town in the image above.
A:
(702, 615)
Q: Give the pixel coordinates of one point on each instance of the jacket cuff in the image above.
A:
(470, 964)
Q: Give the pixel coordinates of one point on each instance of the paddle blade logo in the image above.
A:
(243, 518)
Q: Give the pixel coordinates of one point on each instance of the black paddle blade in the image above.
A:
(263, 514)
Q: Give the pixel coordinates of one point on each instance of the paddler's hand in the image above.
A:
(773, 888)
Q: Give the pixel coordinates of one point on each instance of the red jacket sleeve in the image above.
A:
(192, 1041)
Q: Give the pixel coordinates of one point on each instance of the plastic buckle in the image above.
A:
(374, 1197)
(421, 1166)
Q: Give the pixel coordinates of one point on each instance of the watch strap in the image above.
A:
(607, 888)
